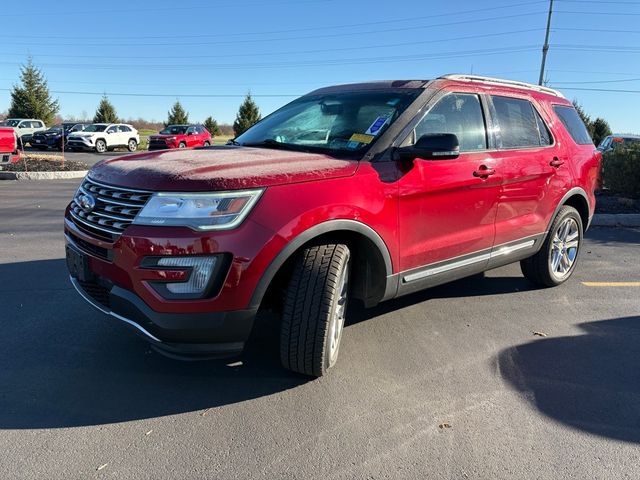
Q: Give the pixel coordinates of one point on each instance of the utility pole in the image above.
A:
(545, 48)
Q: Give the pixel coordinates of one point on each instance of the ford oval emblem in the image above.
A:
(86, 202)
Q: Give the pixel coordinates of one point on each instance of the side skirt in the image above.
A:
(464, 266)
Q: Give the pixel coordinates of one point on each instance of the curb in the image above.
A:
(42, 175)
(616, 220)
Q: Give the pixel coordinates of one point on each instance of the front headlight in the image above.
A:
(200, 211)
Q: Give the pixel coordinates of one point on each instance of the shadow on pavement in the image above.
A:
(475, 286)
(63, 364)
(590, 382)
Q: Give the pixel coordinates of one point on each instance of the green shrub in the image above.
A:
(621, 170)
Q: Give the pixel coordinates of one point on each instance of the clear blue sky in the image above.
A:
(279, 49)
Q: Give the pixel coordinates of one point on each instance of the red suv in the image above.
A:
(180, 136)
(367, 191)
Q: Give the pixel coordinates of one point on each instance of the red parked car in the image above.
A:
(180, 136)
(368, 191)
(9, 152)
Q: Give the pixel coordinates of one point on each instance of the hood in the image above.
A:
(219, 168)
(166, 135)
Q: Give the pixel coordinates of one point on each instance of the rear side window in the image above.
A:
(518, 124)
(573, 123)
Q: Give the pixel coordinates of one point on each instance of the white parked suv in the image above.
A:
(105, 136)
(24, 128)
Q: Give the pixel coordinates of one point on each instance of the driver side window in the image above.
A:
(460, 114)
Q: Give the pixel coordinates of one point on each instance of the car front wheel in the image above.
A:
(558, 257)
(101, 146)
(314, 309)
(132, 145)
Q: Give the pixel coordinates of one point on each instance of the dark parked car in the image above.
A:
(53, 137)
(608, 143)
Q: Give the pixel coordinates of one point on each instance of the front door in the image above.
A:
(448, 207)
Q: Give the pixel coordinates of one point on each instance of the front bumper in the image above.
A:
(80, 143)
(186, 336)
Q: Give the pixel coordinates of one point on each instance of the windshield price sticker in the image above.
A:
(361, 138)
(376, 127)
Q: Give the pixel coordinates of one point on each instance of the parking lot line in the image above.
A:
(611, 284)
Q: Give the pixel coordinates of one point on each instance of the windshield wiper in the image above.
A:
(232, 141)
(271, 143)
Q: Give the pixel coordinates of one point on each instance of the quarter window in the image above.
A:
(460, 114)
(519, 124)
(574, 125)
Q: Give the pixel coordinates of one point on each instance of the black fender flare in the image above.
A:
(308, 235)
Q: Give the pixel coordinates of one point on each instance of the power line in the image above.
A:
(151, 10)
(122, 94)
(297, 64)
(592, 30)
(624, 14)
(599, 2)
(599, 81)
(235, 42)
(295, 52)
(303, 29)
(600, 90)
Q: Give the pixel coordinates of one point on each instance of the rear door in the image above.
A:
(447, 210)
(534, 167)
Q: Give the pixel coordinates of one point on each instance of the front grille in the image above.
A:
(158, 145)
(99, 252)
(114, 210)
(97, 292)
(6, 158)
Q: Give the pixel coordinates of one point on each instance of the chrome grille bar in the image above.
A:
(115, 208)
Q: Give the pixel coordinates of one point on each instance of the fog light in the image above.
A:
(201, 271)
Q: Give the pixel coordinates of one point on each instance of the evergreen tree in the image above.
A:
(32, 99)
(211, 125)
(177, 115)
(248, 115)
(106, 112)
(601, 129)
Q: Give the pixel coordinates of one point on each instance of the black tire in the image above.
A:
(316, 297)
(182, 145)
(132, 146)
(101, 146)
(206, 143)
(540, 268)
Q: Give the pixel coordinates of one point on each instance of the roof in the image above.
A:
(413, 84)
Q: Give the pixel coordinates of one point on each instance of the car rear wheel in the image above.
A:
(206, 143)
(182, 145)
(101, 146)
(132, 145)
(314, 309)
(558, 257)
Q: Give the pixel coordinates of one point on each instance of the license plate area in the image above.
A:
(78, 265)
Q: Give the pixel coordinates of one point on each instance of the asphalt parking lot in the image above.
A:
(90, 158)
(450, 383)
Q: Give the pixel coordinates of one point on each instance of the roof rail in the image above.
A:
(500, 81)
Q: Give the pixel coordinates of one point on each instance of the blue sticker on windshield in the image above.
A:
(353, 145)
(376, 126)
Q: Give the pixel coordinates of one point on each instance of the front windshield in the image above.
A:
(95, 128)
(10, 123)
(174, 130)
(333, 123)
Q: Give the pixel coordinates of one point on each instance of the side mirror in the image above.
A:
(189, 133)
(436, 146)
